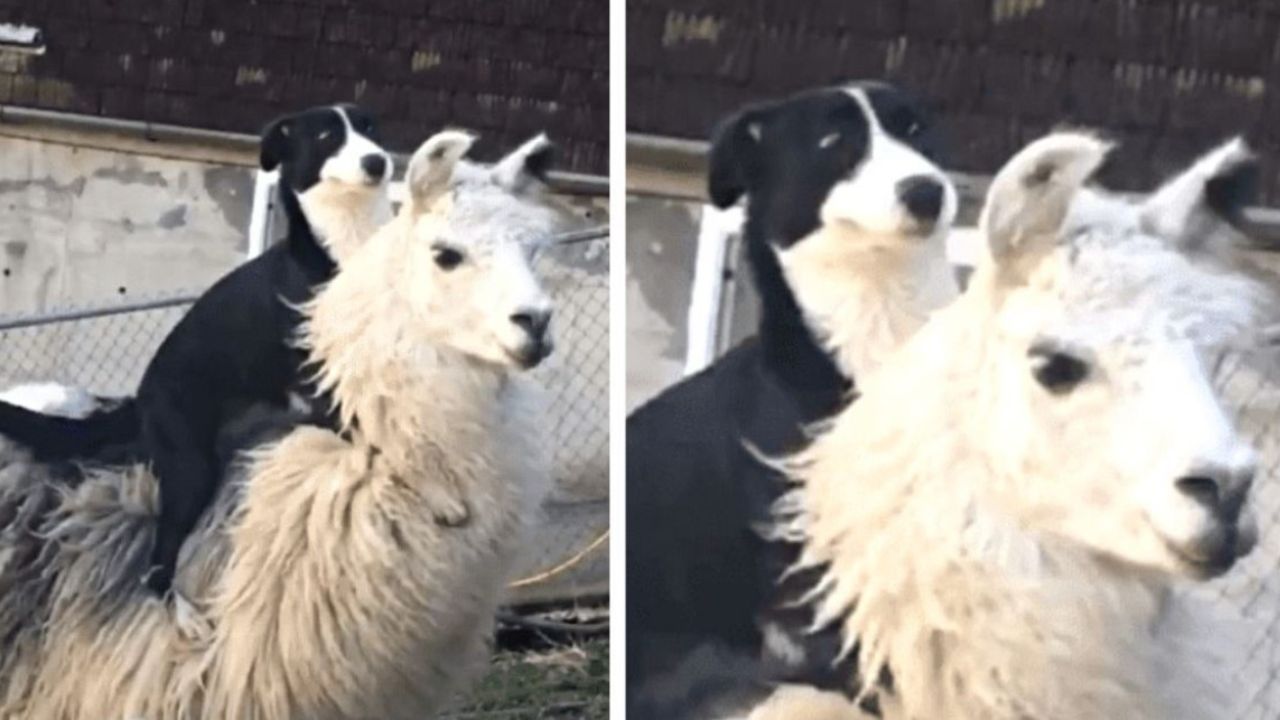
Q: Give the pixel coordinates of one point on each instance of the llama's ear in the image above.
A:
(526, 165)
(1031, 195)
(276, 142)
(1207, 200)
(733, 145)
(431, 167)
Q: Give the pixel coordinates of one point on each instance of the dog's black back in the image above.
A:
(233, 349)
(698, 571)
(236, 346)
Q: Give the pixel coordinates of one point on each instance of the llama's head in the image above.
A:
(469, 234)
(1106, 320)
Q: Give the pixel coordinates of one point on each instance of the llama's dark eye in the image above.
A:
(1056, 370)
(447, 258)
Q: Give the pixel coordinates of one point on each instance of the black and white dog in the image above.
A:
(847, 215)
(233, 349)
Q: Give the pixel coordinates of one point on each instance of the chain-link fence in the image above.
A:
(564, 574)
(1252, 386)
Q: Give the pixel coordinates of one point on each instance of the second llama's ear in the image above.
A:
(431, 167)
(1031, 195)
(527, 164)
(1203, 203)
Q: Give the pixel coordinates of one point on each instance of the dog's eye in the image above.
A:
(447, 258)
(914, 129)
(829, 140)
(324, 135)
(1057, 371)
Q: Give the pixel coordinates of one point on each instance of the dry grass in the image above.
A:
(566, 681)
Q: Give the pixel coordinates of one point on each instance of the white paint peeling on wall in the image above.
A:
(895, 53)
(1006, 10)
(424, 60)
(250, 76)
(685, 28)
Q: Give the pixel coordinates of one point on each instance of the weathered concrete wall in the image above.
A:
(84, 226)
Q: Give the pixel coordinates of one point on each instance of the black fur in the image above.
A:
(231, 352)
(697, 571)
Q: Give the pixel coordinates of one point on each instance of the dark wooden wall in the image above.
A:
(1168, 78)
(507, 68)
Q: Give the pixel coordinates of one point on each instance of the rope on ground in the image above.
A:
(565, 566)
(555, 626)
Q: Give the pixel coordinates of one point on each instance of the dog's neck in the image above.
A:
(861, 297)
(334, 220)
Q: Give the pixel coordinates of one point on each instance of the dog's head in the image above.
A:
(861, 155)
(332, 146)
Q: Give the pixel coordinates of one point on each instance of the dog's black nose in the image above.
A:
(923, 196)
(374, 165)
(534, 322)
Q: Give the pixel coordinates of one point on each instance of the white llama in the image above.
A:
(1005, 509)
(324, 586)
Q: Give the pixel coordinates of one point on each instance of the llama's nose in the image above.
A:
(533, 322)
(1221, 491)
(922, 195)
(374, 165)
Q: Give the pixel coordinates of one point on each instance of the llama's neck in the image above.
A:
(341, 218)
(1057, 634)
(862, 299)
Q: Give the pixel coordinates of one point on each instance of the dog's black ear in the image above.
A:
(275, 143)
(733, 145)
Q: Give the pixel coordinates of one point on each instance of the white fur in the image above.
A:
(324, 586)
(52, 399)
(346, 206)
(1007, 553)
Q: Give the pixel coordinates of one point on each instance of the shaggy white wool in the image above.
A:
(1002, 567)
(325, 586)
